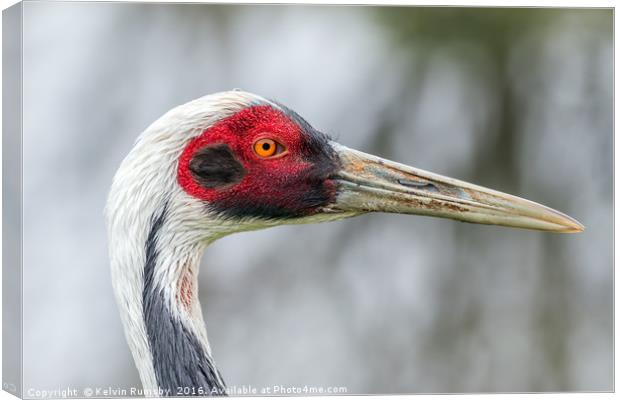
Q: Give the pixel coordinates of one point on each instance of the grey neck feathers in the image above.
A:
(182, 364)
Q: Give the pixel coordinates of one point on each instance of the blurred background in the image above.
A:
(515, 99)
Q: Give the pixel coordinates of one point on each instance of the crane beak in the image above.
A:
(367, 183)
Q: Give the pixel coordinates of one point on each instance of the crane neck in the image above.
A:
(155, 261)
(176, 332)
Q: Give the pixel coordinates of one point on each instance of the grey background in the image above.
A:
(518, 100)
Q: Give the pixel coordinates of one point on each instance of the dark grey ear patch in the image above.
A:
(216, 166)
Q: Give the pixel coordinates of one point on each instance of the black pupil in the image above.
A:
(266, 146)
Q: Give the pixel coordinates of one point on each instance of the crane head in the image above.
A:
(266, 164)
(234, 161)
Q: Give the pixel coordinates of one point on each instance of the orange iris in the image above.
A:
(267, 148)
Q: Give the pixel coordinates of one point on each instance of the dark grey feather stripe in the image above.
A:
(182, 366)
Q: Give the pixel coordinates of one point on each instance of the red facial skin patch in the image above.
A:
(294, 184)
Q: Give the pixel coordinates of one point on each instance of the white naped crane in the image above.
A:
(231, 162)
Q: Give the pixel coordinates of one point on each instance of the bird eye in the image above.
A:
(266, 148)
